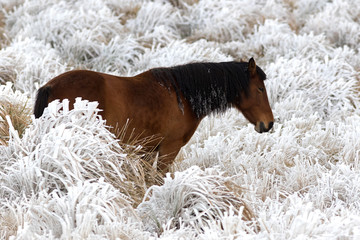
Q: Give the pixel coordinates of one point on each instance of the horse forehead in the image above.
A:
(256, 80)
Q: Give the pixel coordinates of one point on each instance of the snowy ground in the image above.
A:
(65, 178)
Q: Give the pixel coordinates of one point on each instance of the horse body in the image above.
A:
(142, 103)
(157, 103)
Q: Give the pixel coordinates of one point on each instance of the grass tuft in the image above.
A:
(19, 114)
(140, 167)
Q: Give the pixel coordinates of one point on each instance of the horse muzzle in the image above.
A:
(260, 127)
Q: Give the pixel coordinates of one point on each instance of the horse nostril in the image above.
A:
(262, 127)
(271, 124)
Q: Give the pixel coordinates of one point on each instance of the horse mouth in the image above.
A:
(261, 128)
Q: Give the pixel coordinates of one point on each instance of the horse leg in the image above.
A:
(167, 152)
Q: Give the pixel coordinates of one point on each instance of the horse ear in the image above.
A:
(252, 67)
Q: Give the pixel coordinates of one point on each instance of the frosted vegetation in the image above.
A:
(64, 176)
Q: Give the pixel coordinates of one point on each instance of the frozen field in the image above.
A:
(65, 177)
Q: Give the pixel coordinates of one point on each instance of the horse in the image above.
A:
(167, 102)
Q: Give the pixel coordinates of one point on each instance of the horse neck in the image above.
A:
(207, 87)
(206, 99)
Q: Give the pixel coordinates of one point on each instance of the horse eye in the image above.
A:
(261, 89)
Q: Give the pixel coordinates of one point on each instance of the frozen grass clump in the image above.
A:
(274, 39)
(56, 21)
(56, 152)
(323, 216)
(350, 153)
(329, 85)
(79, 34)
(116, 57)
(65, 176)
(65, 147)
(192, 198)
(200, 51)
(28, 64)
(297, 143)
(219, 22)
(339, 21)
(84, 211)
(56, 179)
(153, 15)
(301, 11)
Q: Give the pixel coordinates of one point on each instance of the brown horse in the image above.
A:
(167, 102)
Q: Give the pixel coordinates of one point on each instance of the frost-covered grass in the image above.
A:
(65, 175)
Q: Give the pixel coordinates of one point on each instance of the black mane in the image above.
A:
(208, 87)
